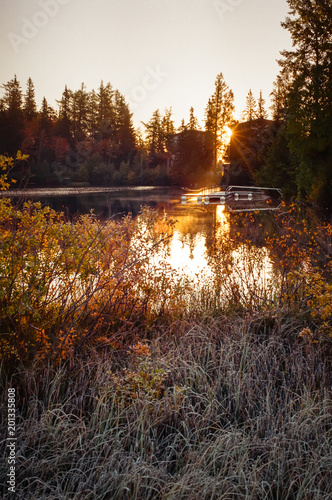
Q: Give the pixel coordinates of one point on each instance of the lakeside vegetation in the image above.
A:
(132, 382)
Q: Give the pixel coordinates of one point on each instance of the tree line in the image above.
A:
(91, 137)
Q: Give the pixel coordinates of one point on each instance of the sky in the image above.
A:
(158, 53)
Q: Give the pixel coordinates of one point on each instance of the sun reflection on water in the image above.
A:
(203, 250)
(223, 224)
(190, 240)
(189, 257)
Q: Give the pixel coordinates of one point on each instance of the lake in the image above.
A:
(196, 230)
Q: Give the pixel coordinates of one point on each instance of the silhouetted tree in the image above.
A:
(63, 127)
(182, 126)
(105, 102)
(279, 98)
(124, 129)
(168, 130)
(46, 117)
(80, 113)
(11, 118)
(193, 122)
(218, 115)
(278, 169)
(154, 136)
(103, 112)
(309, 70)
(250, 112)
(192, 152)
(30, 106)
(261, 111)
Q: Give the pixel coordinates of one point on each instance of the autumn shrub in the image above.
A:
(301, 252)
(63, 283)
(66, 284)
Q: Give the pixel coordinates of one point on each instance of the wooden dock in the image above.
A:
(238, 198)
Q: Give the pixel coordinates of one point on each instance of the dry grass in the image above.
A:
(223, 409)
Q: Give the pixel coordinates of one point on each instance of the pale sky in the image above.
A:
(157, 53)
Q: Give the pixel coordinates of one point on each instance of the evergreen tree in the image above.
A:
(250, 112)
(278, 170)
(159, 135)
(168, 129)
(124, 128)
(154, 135)
(64, 121)
(219, 114)
(192, 155)
(309, 70)
(80, 113)
(193, 122)
(209, 116)
(46, 117)
(103, 114)
(279, 98)
(11, 118)
(261, 111)
(30, 107)
(65, 104)
(13, 98)
(93, 119)
(105, 102)
(182, 126)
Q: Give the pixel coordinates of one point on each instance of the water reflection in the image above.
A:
(203, 249)
(104, 202)
(194, 233)
(200, 247)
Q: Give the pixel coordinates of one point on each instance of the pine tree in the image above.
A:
(46, 111)
(65, 104)
(105, 102)
(261, 111)
(168, 128)
(153, 133)
(193, 122)
(30, 107)
(218, 115)
(124, 128)
(13, 98)
(308, 67)
(12, 118)
(279, 99)
(46, 117)
(80, 113)
(250, 112)
(64, 123)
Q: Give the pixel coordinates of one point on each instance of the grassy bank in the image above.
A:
(132, 384)
(219, 408)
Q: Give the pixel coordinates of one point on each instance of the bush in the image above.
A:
(67, 284)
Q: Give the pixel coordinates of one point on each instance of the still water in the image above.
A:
(196, 229)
